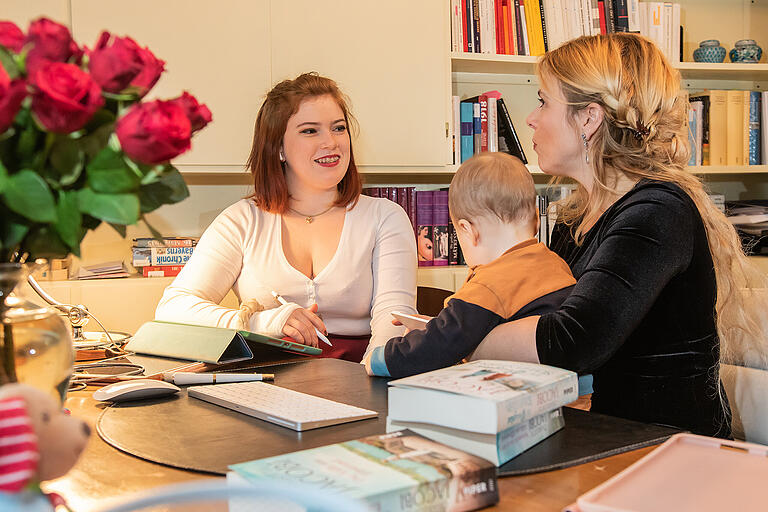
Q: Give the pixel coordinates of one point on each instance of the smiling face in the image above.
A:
(316, 145)
(556, 138)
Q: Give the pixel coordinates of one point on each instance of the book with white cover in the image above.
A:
(497, 448)
(481, 396)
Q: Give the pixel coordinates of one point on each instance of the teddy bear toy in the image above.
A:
(39, 441)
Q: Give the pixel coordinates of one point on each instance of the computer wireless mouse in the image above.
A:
(134, 390)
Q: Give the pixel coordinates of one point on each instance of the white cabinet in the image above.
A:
(21, 12)
(388, 57)
(218, 51)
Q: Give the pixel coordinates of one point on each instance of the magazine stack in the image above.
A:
(162, 257)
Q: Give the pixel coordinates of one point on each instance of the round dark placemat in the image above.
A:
(191, 434)
(188, 433)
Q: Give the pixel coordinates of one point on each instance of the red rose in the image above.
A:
(113, 66)
(11, 36)
(150, 73)
(12, 92)
(51, 42)
(154, 132)
(65, 97)
(197, 113)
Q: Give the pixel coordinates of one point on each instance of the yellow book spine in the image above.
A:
(734, 137)
(533, 25)
(717, 127)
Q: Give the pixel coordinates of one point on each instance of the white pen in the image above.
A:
(183, 378)
(284, 302)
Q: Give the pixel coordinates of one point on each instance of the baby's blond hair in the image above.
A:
(493, 183)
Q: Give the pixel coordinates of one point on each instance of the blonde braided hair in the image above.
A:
(645, 135)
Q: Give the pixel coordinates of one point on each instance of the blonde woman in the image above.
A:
(658, 267)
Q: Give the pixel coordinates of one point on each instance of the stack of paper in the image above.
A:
(107, 270)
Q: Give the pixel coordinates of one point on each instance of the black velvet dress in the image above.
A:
(641, 316)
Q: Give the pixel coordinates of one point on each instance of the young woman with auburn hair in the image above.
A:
(661, 274)
(342, 261)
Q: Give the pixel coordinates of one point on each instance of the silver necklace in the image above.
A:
(310, 218)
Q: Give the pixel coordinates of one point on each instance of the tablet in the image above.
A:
(410, 321)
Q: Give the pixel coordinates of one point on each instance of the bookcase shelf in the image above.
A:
(526, 65)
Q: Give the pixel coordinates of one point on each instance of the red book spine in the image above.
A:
(601, 13)
(498, 26)
(483, 100)
(464, 24)
(161, 271)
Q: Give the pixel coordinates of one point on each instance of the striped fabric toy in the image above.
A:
(18, 445)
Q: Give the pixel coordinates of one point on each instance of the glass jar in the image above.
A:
(35, 343)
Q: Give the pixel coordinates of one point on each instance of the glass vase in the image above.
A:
(35, 343)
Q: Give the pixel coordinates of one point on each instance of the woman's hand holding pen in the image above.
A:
(301, 326)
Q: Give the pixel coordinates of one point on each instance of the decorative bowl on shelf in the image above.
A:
(746, 51)
(709, 50)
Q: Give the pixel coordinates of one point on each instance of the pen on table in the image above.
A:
(284, 302)
(183, 378)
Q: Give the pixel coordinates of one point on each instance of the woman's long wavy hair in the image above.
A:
(644, 134)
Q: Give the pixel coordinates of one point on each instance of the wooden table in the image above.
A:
(105, 472)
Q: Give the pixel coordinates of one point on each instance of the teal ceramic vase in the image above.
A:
(709, 51)
(746, 51)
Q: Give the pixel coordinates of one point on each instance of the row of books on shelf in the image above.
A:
(532, 27)
(162, 257)
(727, 127)
(436, 242)
(482, 123)
(447, 431)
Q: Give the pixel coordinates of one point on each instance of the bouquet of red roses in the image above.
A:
(78, 144)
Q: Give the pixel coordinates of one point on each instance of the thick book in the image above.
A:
(508, 141)
(396, 472)
(734, 133)
(718, 100)
(147, 256)
(208, 344)
(497, 448)
(481, 396)
(166, 241)
(424, 227)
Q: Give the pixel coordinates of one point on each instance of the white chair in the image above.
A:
(746, 381)
(747, 390)
(266, 496)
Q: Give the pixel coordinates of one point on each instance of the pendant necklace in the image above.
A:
(310, 218)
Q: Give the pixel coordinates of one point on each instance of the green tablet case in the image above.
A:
(204, 343)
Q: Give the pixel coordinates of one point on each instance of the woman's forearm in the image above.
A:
(511, 341)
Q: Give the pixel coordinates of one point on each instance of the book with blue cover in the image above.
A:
(497, 448)
(396, 472)
(481, 396)
(754, 127)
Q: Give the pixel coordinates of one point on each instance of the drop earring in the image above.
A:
(282, 156)
(586, 148)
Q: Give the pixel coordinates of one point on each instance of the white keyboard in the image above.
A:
(280, 406)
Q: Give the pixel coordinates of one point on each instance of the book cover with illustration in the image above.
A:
(400, 471)
(482, 396)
